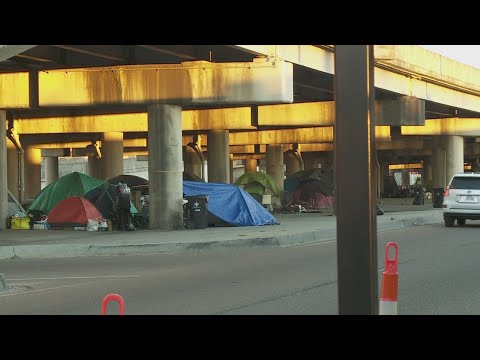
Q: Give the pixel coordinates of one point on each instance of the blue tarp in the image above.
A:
(230, 203)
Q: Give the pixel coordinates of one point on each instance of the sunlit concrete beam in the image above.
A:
(301, 136)
(405, 166)
(195, 82)
(393, 112)
(249, 156)
(404, 110)
(315, 135)
(315, 147)
(14, 90)
(445, 126)
(212, 119)
(402, 69)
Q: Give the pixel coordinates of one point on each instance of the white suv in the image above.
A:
(461, 200)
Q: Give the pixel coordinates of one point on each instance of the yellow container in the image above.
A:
(21, 223)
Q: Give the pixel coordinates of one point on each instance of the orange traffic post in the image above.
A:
(389, 297)
(113, 297)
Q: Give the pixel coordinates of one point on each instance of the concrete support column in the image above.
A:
(191, 162)
(405, 177)
(275, 164)
(439, 162)
(250, 165)
(94, 167)
(165, 167)
(384, 171)
(292, 164)
(14, 169)
(218, 156)
(427, 173)
(33, 172)
(3, 172)
(455, 159)
(51, 169)
(112, 154)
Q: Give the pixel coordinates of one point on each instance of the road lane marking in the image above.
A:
(314, 243)
(38, 290)
(77, 277)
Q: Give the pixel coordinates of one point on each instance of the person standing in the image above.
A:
(123, 206)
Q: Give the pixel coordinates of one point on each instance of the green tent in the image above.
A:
(257, 182)
(66, 186)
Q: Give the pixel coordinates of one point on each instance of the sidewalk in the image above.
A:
(298, 228)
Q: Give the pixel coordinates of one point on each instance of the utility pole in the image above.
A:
(355, 180)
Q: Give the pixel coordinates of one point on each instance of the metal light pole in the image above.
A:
(355, 180)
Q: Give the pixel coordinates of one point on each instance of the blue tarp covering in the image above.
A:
(230, 203)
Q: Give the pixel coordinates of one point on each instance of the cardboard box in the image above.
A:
(20, 223)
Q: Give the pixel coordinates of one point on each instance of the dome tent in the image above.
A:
(68, 185)
(73, 211)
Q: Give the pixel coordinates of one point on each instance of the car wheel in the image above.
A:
(449, 221)
(461, 222)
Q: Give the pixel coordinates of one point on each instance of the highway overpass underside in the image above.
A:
(249, 108)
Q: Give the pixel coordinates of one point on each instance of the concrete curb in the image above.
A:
(396, 222)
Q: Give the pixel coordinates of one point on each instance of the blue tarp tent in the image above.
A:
(230, 203)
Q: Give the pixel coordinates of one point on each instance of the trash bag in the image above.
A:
(92, 225)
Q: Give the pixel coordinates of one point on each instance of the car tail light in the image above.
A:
(445, 193)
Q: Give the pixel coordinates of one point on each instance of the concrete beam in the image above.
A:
(195, 82)
(14, 90)
(410, 152)
(248, 156)
(314, 136)
(8, 51)
(54, 141)
(396, 112)
(445, 126)
(62, 152)
(204, 120)
(300, 136)
(400, 144)
(239, 151)
(245, 149)
(446, 82)
(405, 166)
(405, 110)
(301, 114)
(315, 147)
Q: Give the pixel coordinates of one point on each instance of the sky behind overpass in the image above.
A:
(467, 54)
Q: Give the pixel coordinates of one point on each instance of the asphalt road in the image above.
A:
(438, 274)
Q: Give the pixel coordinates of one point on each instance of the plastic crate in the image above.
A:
(20, 223)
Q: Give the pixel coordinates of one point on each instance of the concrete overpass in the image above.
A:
(243, 100)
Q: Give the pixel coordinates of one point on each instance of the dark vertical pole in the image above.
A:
(33, 88)
(355, 185)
